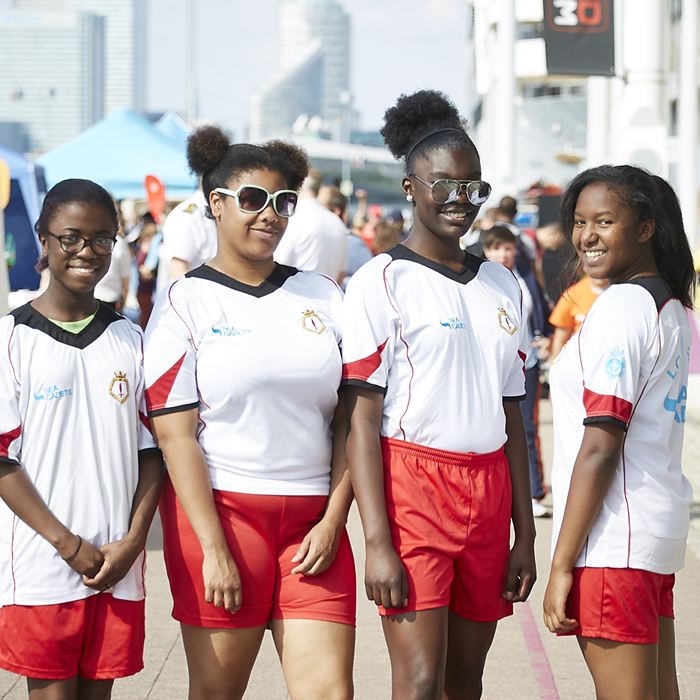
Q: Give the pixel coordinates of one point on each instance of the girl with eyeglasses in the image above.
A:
(619, 391)
(79, 469)
(434, 346)
(243, 369)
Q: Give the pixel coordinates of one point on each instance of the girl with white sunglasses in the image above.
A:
(243, 369)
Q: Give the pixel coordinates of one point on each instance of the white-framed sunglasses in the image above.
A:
(253, 199)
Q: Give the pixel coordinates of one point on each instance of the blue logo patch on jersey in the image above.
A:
(615, 364)
(52, 392)
(229, 331)
(677, 406)
(454, 323)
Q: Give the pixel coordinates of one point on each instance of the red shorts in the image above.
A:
(100, 637)
(449, 516)
(622, 605)
(263, 534)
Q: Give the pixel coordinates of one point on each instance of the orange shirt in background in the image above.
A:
(573, 305)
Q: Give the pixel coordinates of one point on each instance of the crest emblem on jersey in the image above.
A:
(615, 363)
(311, 321)
(119, 388)
(505, 323)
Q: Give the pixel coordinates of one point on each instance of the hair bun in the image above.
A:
(206, 148)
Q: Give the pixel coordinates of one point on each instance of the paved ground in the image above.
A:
(526, 661)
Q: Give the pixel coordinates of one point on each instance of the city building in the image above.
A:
(532, 125)
(311, 91)
(51, 76)
(125, 45)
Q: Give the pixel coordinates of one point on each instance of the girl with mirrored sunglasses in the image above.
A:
(79, 469)
(433, 348)
(243, 372)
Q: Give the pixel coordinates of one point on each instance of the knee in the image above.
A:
(464, 684)
(420, 682)
(206, 689)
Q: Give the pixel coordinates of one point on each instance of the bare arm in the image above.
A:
(119, 556)
(385, 576)
(20, 494)
(317, 552)
(522, 572)
(178, 268)
(176, 434)
(594, 470)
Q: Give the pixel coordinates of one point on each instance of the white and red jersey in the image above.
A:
(628, 365)
(445, 347)
(72, 415)
(261, 364)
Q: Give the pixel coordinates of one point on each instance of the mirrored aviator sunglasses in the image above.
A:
(253, 199)
(446, 191)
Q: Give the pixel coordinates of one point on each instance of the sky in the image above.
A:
(398, 46)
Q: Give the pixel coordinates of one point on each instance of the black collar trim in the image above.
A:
(465, 275)
(655, 285)
(27, 315)
(279, 276)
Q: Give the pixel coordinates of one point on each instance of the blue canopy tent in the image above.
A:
(175, 128)
(20, 216)
(118, 152)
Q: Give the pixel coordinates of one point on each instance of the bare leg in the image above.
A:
(468, 643)
(622, 671)
(220, 660)
(90, 689)
(668, 680)
(417, 645)
(316, 658)
(41, 689)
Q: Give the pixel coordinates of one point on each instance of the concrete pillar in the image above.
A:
(505, 89)
(688, 120)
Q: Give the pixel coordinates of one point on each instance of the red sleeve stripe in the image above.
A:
(365, 368)
(604, 405)
(523, 357)
(6, 439)
(144, 420)
(157, 394)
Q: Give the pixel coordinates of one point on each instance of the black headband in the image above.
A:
(428, 135)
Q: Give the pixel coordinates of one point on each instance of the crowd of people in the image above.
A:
(261, 399)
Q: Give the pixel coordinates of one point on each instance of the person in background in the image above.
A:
(334, 200)
(395, 219)
(619, 392)
(385, 237)
(374, 217)
(146, 267)
(505, 214)
(113, 288)
(189, 240)
(552, 245)
(315, 238)
(500, 245)
(572, 308)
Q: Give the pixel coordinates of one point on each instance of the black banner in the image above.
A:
(579, 36)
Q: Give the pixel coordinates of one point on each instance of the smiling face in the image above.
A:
(76, 274)
(609, 240)
(245, 237)
(450, 220)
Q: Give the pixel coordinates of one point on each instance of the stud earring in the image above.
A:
(409, 197)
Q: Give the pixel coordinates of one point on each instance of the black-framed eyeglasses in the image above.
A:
(253, 199)
(447, 191)
(72, 243)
